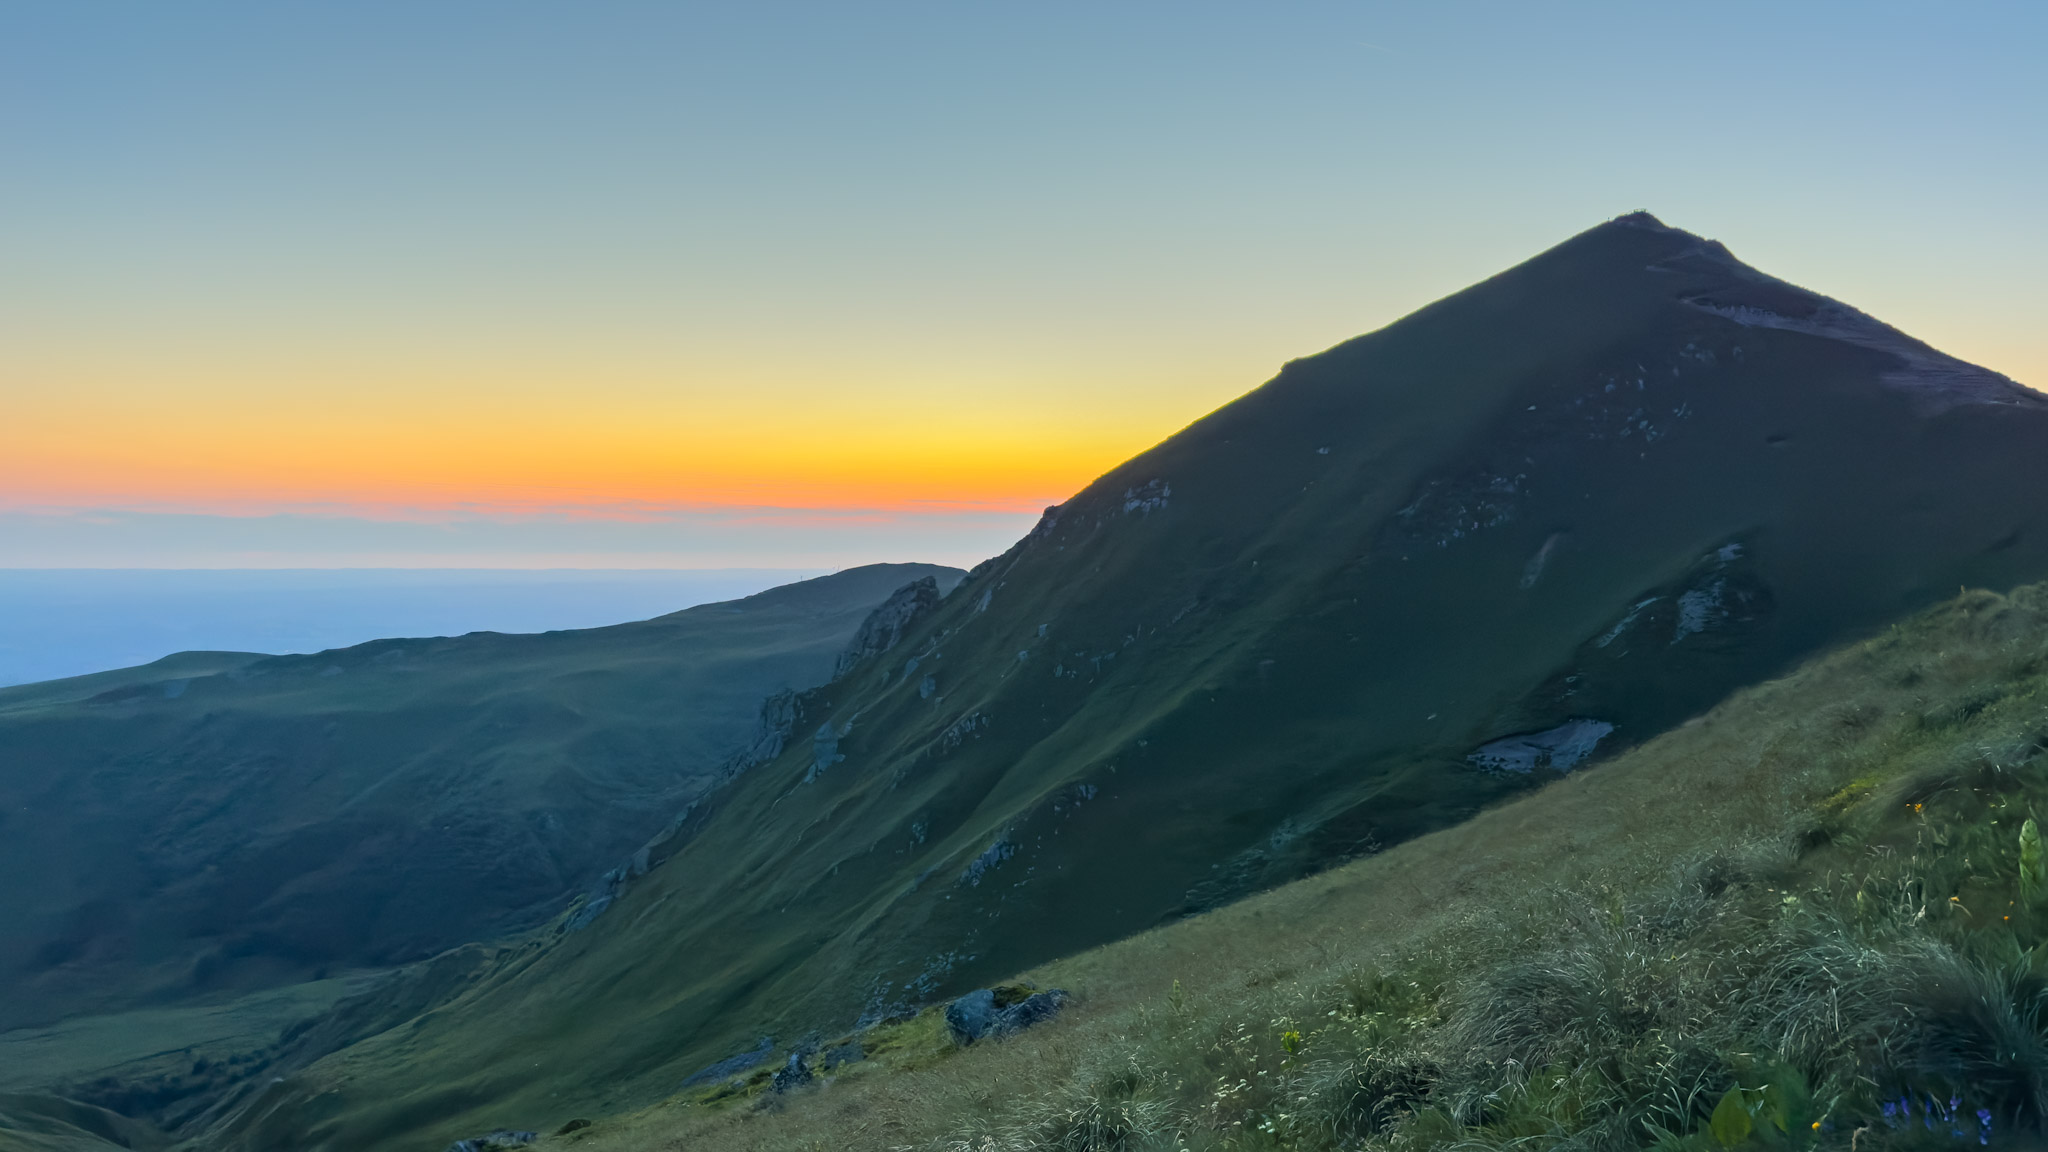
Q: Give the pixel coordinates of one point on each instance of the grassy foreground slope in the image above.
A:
(1817, 892)
(217, 822)
(1605, 487)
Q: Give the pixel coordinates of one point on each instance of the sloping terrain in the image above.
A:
(1551, 516)
(217, 822)
(1759, 898)
(73, 689)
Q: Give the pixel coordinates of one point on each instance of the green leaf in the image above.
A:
(1730, 1124)
(1775, 1108)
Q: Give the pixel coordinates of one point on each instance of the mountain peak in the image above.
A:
(1641, 218)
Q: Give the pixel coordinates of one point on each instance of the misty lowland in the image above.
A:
(1604, 709)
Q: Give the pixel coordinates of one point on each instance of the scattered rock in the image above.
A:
(1001, 1011)
(594, 906)
(1151, 496)
(1560, 749)
(995, 854)
(825, 749)
(576, 1125)
(495, 1142)
(1033, 1009)
(887, 623)
(971, 1016)
(776, 725)
(794, 1074)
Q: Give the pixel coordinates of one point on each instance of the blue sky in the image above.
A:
(281, 283)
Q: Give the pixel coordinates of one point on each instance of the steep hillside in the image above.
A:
(1539, 521)
(1627, 933)
(218, 821)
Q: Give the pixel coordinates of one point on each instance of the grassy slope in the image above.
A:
(37, 1123)
(73, 689)
(1239, 657)
(81, 1048)
(1177, 1033)
(216, 822)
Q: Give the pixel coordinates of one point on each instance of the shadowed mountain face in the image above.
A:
(219, 820)
(1545, 518)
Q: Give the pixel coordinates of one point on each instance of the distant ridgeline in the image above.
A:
(218, 822)
(1535, 522)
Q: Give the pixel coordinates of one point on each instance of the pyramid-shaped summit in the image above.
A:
(1539, 520)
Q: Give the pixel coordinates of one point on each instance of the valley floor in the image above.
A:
(85, 1046)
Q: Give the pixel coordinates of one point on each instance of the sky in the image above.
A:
(493, 283)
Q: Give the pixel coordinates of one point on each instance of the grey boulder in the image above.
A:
(495, 1142)
(1033, 1009)
(971, 1016)
(982, 1013)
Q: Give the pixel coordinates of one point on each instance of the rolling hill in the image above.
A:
(219, 822)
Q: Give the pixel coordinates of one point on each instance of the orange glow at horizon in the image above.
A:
(587, 468)
(610, 459)
(533, 423)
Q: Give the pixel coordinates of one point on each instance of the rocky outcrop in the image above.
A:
(771, 733)
(1560, 749)
(1001, 1011)
(971, 1016)
(794, 1074)
(495, 1142)
(887, 623)
(1033, 1009)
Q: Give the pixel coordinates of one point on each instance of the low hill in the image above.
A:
(215, 822)
(1536, 523)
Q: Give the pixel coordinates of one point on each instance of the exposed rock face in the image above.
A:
(1033, 1009)
(887, 623)
(495, 1142)
(971, 1016)
(1560, 749)
(1001, 1012)
(771, 734)
(794, 1074)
